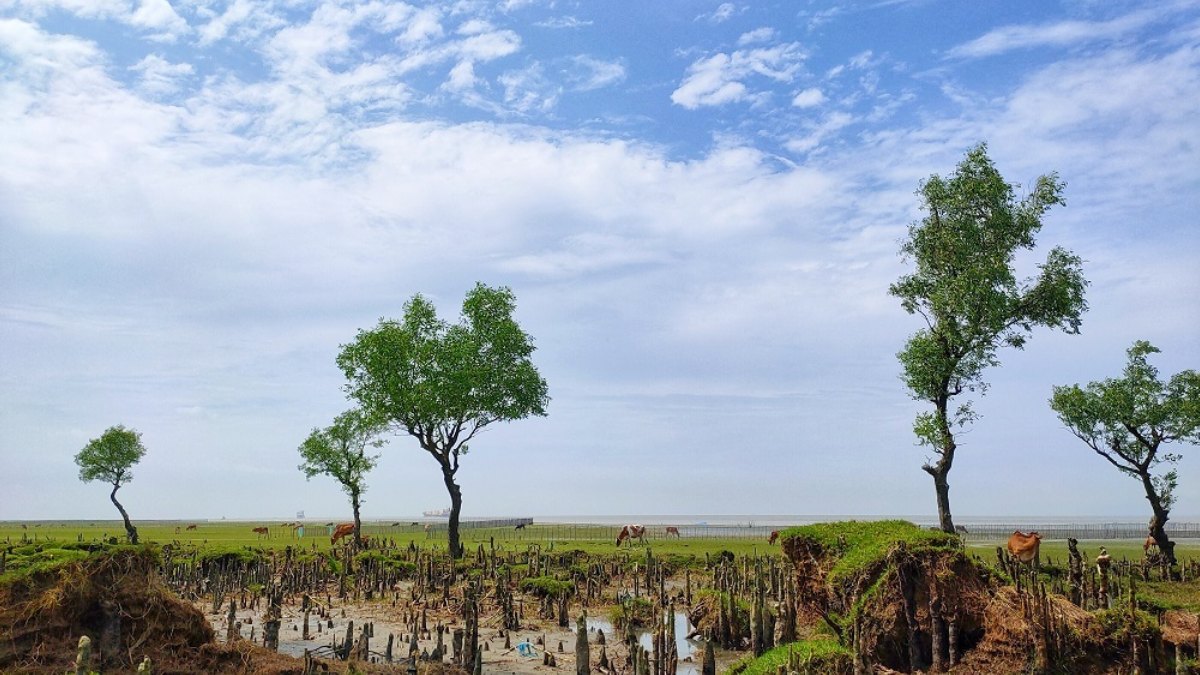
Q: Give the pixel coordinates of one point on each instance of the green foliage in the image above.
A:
(547, 587)
(860, 546)
(339, 451)
(26, 562)
(968, 294)
(1125, 420)
(1119, 627)
(111, 457)
(33, 562)
(816, 656)
(1159, 596)
(442, 383)
(635, 612)
(229, 556)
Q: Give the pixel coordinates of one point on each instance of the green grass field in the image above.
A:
(591, 540)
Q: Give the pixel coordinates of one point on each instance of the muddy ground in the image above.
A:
(497, 658)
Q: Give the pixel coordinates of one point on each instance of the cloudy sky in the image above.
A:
(697, 204)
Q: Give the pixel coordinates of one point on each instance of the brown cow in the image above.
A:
(1025, 547)
(261, 532)
(774, 537)
(1148, 543)
(673, 530)
(191, 527)
(342, 530)
(632, 532)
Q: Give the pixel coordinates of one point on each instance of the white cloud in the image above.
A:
(158, 15)
(528, 91)
(567, 21)
(764, 34)
(246, 19)
(808, 98)
(462, 76)
(818, 132)
(724, 12)
(585, 73)
(1057, 34)
(159, 76)
(718, 79)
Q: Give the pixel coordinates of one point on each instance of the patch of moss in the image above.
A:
(388, 562)
(809, 656)
(1119, 626)
(862, 545)
(547, 587)
(228, 556)
(25, 562)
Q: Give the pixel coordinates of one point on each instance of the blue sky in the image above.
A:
(698, 205)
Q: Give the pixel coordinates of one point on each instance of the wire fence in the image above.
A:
(524, 529)
(1138, 531)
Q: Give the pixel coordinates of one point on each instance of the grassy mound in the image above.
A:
(878, 584)
(810, 656)
(112, 596)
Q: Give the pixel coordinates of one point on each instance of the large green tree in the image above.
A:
(110, 458)
(966, 290)
(443, 383)
(1128, 419)
(340, 452)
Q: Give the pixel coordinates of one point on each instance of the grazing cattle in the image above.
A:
(191, 527)
(395, 524)
(415, 523)
(520, 526)
(671, 530)
(774, 537)
(1025, 547)
(342, 530)
(261, 532)
(632, 532)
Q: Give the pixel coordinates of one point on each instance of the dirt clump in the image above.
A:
(117, 599)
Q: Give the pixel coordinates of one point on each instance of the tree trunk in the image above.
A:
(1159, 521)
(358, 542)
(942, 486)
(941, 471)
(456, 548)
(130, 530)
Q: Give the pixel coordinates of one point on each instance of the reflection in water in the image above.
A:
(683, 646)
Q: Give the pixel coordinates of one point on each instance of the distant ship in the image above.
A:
(439, 513)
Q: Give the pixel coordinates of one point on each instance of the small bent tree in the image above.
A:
(967, 292)
(442, 384)
(110, 458)
(1127, 420)
(340, 451)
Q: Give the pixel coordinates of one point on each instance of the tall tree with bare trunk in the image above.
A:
(1127, 420)
(110, 458)
(968, 294)
(444, 383)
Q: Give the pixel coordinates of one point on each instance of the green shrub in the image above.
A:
(547, 587)
(634, 612)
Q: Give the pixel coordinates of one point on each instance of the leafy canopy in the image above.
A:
(339, 451)
(442, 383)
(965, 287)
(111, 457)
(1126, 419)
